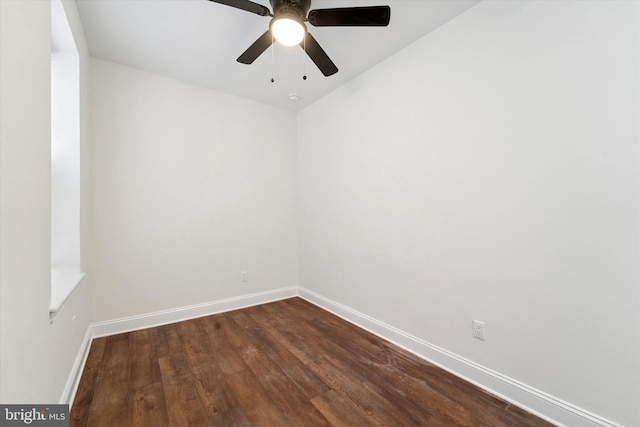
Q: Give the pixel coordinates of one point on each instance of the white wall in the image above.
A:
(491, 171)
(36, 357)
(189, 188)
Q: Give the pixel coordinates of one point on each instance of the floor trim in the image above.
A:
(73, 381)
(535, 401)
(158, 318)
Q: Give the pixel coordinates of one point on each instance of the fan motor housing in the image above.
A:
(296, 8)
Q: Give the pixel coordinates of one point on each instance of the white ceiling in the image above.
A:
(198, 41)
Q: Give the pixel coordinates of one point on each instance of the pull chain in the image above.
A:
(273, 61)
(304, 61)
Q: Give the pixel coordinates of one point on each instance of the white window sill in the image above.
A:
(63, 283)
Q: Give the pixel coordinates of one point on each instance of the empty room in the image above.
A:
(415, 213)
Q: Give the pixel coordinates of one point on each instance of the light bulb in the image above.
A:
(287, 31)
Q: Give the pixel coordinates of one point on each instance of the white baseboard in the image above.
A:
(535, 401)
(70, 388)
(149, 320)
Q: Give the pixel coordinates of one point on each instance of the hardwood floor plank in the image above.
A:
(340, 411)
(306, 382)
(335, 351)
(144, 358)
(421, 392)
(217, 341)
(149, 406)
(292, 366)
(167, 340)
(479, 404)
(111, 404)
(79, 416)
(182, 399)
(235, 335)
(219, 402)
(372, 403)
(195, 343)
(290, 336)
(278, 364)
(294, 405)
(384, 375)
(256, 403)
(288, 397)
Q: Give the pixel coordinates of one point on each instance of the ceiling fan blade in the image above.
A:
(318, 55)
(371, 16)
(247, 5)
(256, 49)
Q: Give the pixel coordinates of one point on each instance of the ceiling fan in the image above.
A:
(287, 26)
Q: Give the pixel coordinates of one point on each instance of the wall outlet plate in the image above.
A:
(478, 329)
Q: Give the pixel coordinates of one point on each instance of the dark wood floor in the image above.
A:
(278, 364)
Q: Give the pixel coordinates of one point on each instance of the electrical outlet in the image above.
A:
(244, 276)
(478, 329)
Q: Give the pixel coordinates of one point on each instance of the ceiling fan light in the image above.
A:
(288, 31)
